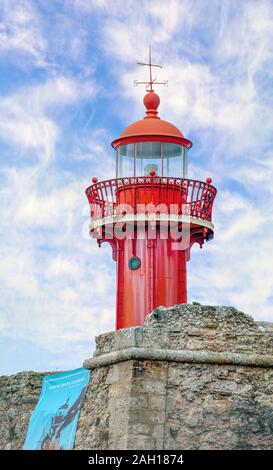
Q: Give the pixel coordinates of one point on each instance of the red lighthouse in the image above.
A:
(151, 214)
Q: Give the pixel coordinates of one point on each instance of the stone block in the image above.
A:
(193, 377)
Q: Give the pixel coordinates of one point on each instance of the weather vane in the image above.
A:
(152, 81)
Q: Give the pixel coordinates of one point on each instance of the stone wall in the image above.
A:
(18, 397)
(194, 377)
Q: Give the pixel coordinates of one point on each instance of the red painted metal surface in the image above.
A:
(151, 127)
(150, 271)
(196, 196)
(151, 138)
(161, 278)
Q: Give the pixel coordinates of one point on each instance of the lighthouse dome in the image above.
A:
(151, 127)
(151, 145)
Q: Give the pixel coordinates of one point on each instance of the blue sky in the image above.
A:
(66, 83)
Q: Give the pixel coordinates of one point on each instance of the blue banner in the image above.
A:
(53, 423)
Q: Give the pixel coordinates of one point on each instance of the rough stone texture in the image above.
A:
(18, 397)
(103, 420)
(165, 404)
(171, 405)
(194, 328)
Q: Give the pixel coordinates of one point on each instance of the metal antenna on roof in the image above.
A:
(151, 82)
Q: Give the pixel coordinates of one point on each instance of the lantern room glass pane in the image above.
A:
(148, 157)
(125, 161)
(140, 158)
(174, 163)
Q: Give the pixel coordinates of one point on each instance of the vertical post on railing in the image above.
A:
(112, 198)
(134, 160)
(106, 202)
(185, 162)
(162, 160)
(179, 212)
(102, 199)
(198, 200)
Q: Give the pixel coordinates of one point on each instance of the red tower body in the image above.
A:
(151, 214)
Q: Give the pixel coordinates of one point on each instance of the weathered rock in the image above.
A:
(18, 397)
(193, 377)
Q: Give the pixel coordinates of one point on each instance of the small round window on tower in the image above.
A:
(134, 263)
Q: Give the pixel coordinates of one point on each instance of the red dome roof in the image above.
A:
(151, 127)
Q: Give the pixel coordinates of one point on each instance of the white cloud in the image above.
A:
(68, 295)
(18, 270)
(219, 73)
(58, 285)
(220, 87)
(23, 116)
(53, 279)
(45, 259)
(60, 266)
(20, 30)
(239, 264)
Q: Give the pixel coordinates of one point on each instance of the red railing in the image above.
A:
(196, 197)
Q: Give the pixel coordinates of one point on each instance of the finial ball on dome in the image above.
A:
(151, 101)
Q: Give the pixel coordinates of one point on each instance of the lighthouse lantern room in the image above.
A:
(151, 213)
